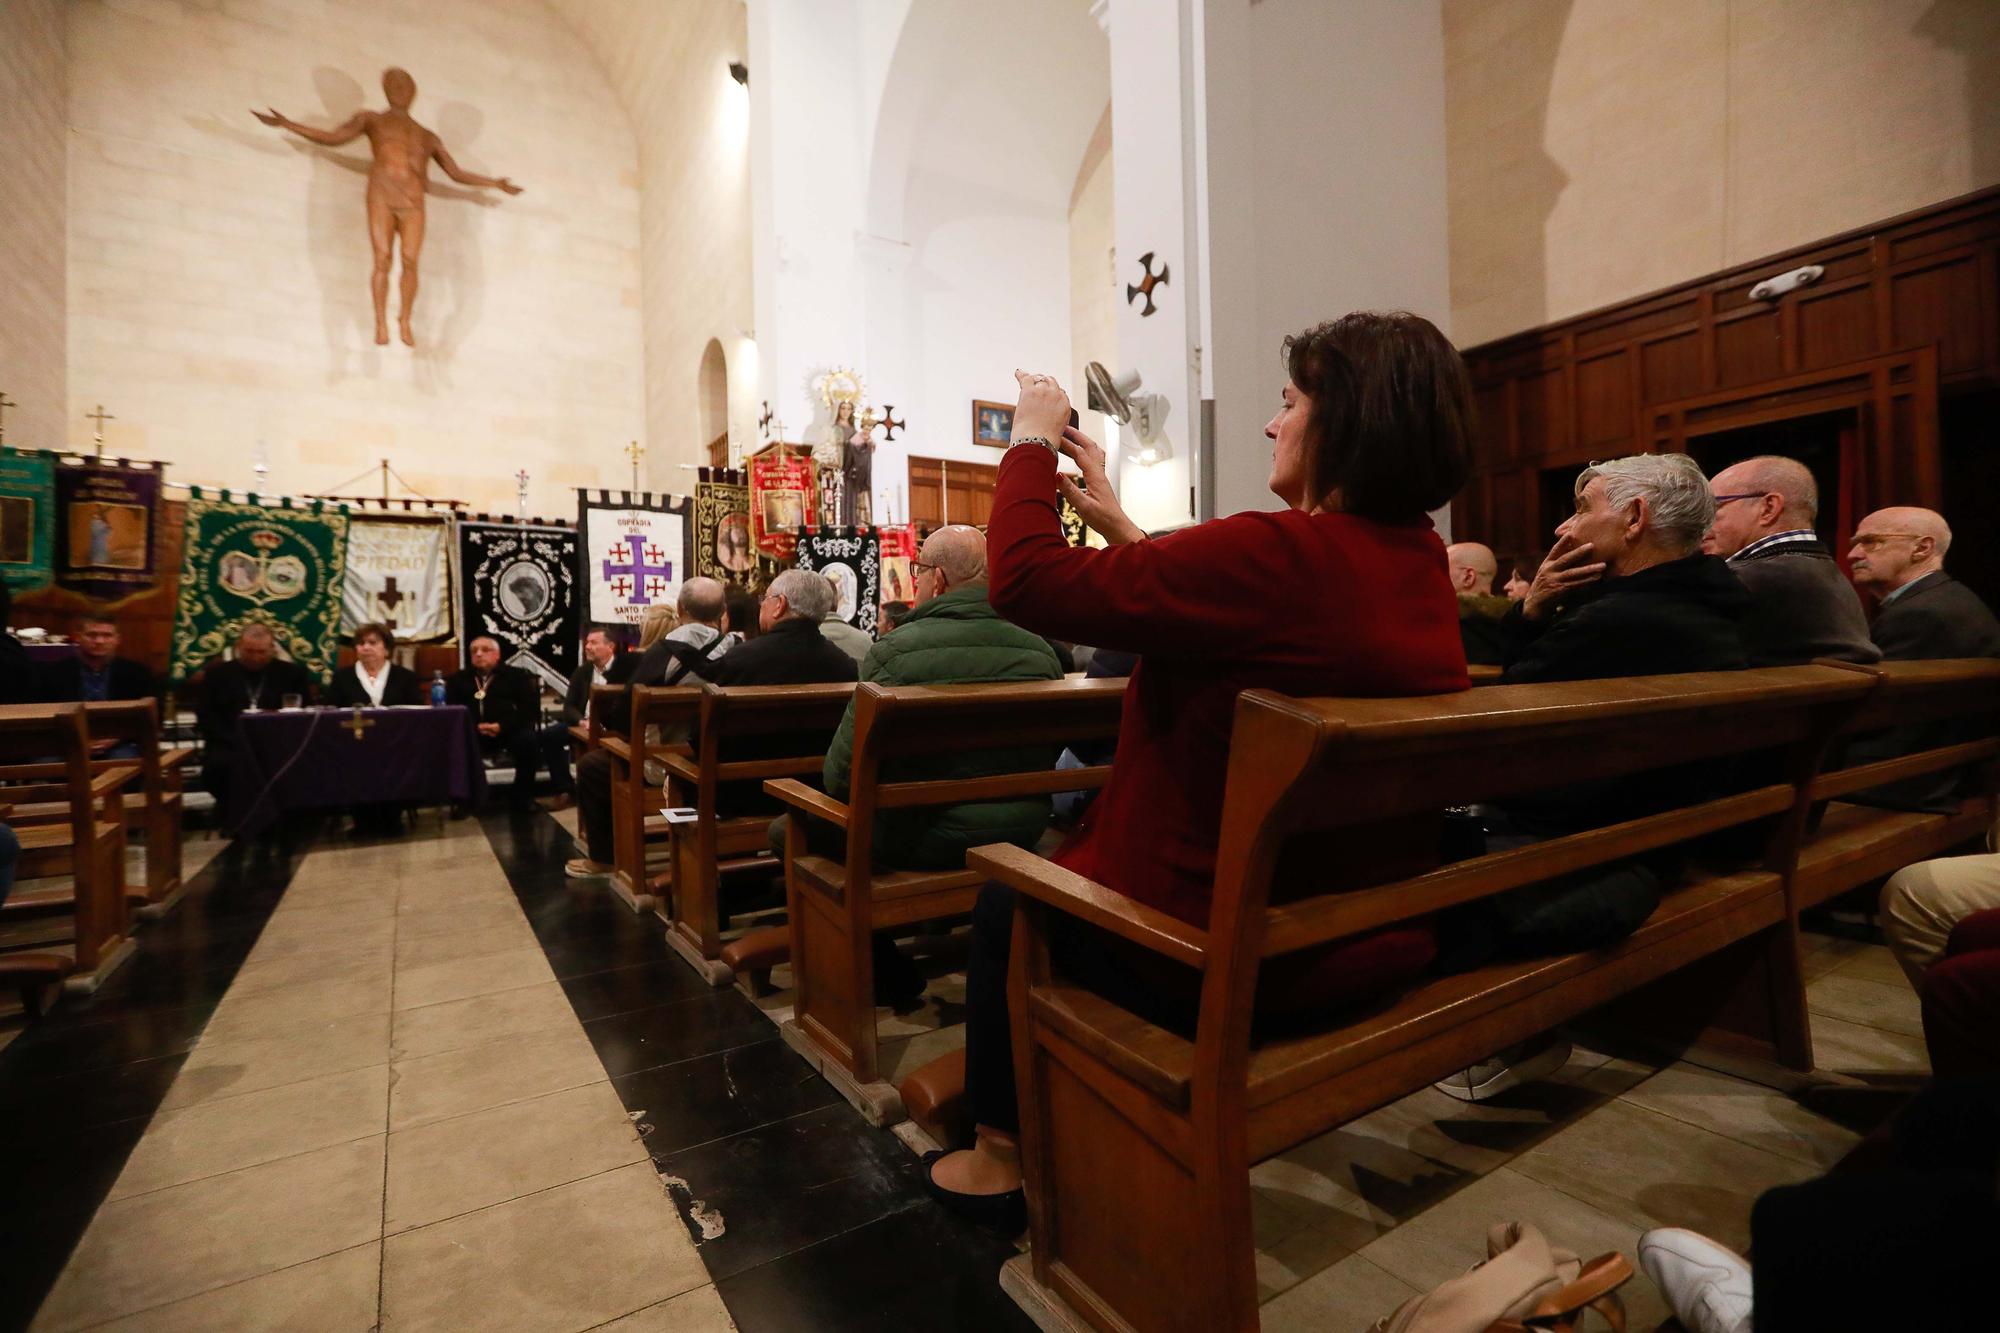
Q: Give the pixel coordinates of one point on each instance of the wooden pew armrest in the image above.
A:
(616, 747)
(580, 733)
(174, 760)
(1087, 900)
(683, 767)
(808, 800)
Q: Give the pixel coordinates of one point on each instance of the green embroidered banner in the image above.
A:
(265, 564)
(27, 519)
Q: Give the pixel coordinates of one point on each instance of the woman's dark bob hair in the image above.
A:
(372, 630)
(1391, 423)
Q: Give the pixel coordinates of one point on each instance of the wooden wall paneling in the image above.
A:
(1942, 299)
(1604, 404)
(1836, 325)
(1749, 347)
(1671, 366)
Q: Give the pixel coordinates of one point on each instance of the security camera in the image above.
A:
(1770, 289)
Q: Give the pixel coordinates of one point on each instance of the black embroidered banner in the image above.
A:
(517, 586)
(852, 558)
(722, 546)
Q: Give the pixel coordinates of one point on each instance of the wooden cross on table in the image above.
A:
(100, 416)
(356, 724)
(1147, 284)
(391, 599)
(5, 403)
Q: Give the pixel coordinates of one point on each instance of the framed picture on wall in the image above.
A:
(992, 423)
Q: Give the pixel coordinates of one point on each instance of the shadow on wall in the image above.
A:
(1972, 28)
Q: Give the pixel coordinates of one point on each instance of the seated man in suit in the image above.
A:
(789, 651)
(1473, 568)
(254, 678)
(604, 663)
(374, 681)
(1922, 613)
(506, 705)
(1801, 607)
(97, 672)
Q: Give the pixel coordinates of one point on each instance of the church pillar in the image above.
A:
(1321, 175)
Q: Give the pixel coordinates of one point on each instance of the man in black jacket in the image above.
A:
(789, 651)
(604, 663)
(506, 704)
(255, 678)
(1923, 614)
(1802, 608)
(97, 672)
(1626, 591)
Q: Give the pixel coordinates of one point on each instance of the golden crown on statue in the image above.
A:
(266, 540)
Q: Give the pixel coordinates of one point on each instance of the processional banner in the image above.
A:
(781, 502)
(27, 518)
(517, 586)
(399, 575)
(632, 553)
(105, 516)
(899, 552)
(851, 557)
(260, 563)
(723, 548)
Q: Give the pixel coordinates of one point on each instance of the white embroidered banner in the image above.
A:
(399, 575)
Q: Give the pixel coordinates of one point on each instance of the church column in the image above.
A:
(1322, 165)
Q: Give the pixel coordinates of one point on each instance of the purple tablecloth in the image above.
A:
(313, 760)
(50, 652)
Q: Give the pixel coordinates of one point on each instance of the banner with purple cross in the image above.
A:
(632, 553)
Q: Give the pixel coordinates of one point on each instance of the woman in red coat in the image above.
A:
(1343, 593)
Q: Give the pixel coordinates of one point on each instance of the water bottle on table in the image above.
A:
(437, 689)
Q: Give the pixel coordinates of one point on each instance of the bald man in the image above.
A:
(953, 636)
(254, 677)
(1473, 567)
(1923, 612)
(1803, 609)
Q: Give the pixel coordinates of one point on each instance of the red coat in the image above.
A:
(1307, 604)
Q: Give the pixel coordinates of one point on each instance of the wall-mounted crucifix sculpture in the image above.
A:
(1146, 285)
(403, 150)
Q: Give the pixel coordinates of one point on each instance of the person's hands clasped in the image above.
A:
(1569, 566)
(1090, 493)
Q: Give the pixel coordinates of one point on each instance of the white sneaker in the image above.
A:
(1707, 1285)
(1509, 1069)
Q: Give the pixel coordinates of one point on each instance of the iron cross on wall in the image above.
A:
(643, 579)
(1147, 284)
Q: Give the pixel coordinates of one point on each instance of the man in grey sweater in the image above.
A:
(1803, 607)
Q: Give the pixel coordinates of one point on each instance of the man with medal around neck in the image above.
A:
(254, 678)
(506, 705)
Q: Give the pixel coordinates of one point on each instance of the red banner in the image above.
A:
(781, 502)
(899, 548)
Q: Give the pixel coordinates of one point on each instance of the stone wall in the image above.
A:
(33, 150)
(1599, 149)
(218, 269)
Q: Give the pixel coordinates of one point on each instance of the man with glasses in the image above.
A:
(1802, 608)
(1898, 559)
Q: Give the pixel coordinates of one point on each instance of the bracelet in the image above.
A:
(1034, 439)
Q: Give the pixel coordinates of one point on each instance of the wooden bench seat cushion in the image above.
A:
(1858, 843)
(1432, 1028)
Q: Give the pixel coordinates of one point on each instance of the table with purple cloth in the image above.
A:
(50, 652)
(317, 759)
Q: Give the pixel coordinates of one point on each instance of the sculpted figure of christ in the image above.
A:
(403, 150)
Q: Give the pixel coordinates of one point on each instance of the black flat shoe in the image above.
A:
(1004, 1214)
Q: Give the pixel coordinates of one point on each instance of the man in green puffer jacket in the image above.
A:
(952, 637)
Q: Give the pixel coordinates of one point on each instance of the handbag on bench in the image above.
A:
(1525, 1285)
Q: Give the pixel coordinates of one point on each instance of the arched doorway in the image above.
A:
(712, 398)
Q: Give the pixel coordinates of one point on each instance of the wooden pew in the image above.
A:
(635, 802)
(88, 842)
(705, 849)
(836, 906)
(1116, 1109)
(1854, 844)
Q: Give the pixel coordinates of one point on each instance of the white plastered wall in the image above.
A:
(33, 172)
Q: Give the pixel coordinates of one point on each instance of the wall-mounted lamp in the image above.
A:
(739, 72)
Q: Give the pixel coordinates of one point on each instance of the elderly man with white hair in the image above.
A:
(1627, 591)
